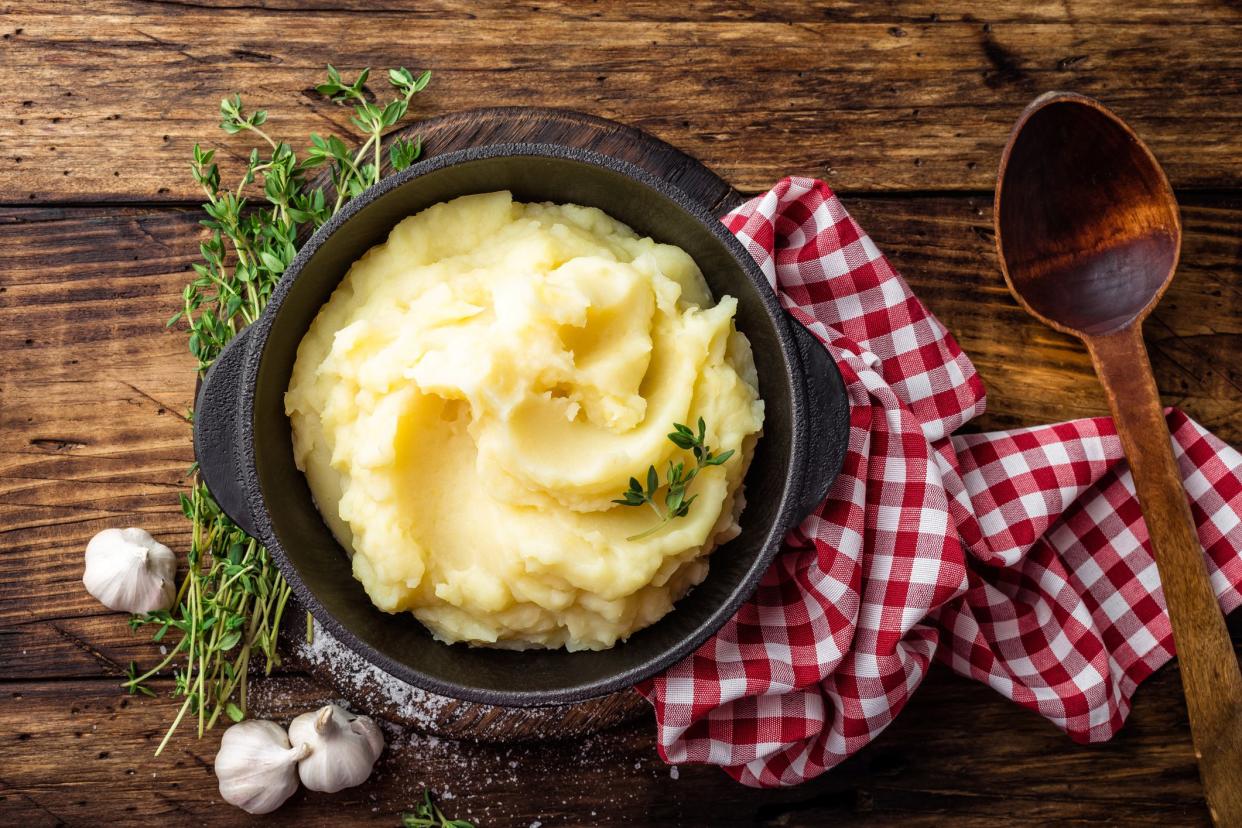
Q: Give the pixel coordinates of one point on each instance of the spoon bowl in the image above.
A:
(1088, 235)
(1091, 228)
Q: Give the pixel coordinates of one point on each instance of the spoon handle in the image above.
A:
(1205, 654)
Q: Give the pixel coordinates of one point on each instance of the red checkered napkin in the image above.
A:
(1018, 558)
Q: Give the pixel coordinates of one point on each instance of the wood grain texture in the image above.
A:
(84, 445)
(489, 126)
(1087, 235)
(92, 386)
(103, 101)
(903, 106)
(727, 11)
(365, 687)
(959, 754)
(1205, 653)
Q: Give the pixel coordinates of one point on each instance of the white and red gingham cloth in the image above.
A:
(1019, 558)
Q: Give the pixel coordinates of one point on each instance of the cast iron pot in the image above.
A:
(244, 448)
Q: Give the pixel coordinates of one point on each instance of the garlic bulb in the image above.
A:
(257, 767)
(343, 748)
(128, 570)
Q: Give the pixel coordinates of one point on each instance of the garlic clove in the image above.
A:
(371, 732)
(343, 748)
(256, 766)
(130, 571)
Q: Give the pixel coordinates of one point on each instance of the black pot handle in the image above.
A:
(216, 432)
(828, 419)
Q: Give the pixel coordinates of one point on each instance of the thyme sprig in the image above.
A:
(678, 479)
(428, 815)
(372, 120)
(229, 607)
(231, 601)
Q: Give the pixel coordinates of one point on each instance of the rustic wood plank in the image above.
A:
(84, 445)
(784, 11)
(91, 393)
(958, 750)
(945, 248)
(894, 98)
(102, 103)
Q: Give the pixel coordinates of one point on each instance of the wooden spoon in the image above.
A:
(1088, 233)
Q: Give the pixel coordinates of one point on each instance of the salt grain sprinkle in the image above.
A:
(371, 686)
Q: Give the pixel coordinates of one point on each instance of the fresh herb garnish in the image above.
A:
(228, 608)
(676, 504)
(427, 815)
(349, 178)
(230, 604)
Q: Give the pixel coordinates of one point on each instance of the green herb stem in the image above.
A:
(678, 479)
(230, 604)
(427, 814)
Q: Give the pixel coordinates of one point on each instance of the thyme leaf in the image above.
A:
(428, 815)
(677, 479)
(230, 604)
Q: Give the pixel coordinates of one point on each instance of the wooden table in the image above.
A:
(902, 106)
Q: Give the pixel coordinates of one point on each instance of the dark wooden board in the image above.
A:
(90, 437)
(542, 125)
(368, 689)
(103, 100)
(903, 106)
(78, 753)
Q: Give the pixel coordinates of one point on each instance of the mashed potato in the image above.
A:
(482, 385)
